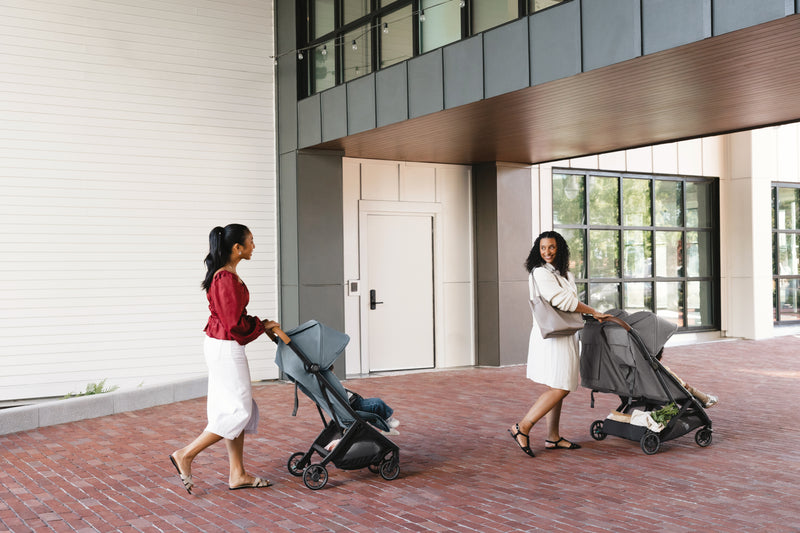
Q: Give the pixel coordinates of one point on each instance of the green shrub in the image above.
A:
(93, 388)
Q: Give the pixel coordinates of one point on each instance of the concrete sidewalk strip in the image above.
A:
(459, 469)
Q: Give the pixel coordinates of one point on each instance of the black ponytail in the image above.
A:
(220, 245)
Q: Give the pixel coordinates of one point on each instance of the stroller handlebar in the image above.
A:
(619, 322)
(277, 333)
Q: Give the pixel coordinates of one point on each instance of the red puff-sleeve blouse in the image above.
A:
(227, 300)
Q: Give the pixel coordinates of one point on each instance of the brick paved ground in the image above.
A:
(460, 471)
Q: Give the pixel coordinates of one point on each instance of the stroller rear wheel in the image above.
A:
(650, 443)
(703, 437)
(315, 476)
(597, 430)
(294, 466)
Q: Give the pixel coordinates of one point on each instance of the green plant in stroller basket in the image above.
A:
(663, 415)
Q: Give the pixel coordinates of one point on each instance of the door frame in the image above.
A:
(378, 207)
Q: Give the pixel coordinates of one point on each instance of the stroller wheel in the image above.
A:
(703, 437)
(294, 466)
(315, 476)
(597, 430)
(650, 443)
(390, 469)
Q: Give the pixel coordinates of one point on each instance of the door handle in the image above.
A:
(372, 303)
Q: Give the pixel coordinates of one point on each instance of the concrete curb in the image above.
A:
(54, 412)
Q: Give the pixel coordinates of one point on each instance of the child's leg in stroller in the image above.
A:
(374, 405)
(706, 399)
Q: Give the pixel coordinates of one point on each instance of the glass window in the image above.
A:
(638, 297)
(357, 53)
(439, 24)
(324, 66)
(354, 9)
(490, 13)
(638, 254)
(650, 240)
(636, 202)
(668, 203)
(396, 34)
(568, 199)
(323, 20)
(538, 5)
(603, 201)
(603, 254)
(785, 253)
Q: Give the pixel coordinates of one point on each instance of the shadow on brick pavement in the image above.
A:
(460, 471)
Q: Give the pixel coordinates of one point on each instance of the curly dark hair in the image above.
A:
(561, 262)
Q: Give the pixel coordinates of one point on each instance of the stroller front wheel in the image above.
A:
(294, 464)
(315, 476)
(650, 443)
(597, 430)
(703, 437)
(390, 469)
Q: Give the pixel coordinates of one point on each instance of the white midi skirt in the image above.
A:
(554, 362)
(230, 405)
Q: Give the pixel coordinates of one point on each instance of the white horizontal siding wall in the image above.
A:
(128, 129)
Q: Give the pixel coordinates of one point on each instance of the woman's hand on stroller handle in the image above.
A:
(274, 332)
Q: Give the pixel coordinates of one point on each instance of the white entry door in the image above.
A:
(400, 310)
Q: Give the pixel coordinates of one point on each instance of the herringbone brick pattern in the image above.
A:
(460, 470)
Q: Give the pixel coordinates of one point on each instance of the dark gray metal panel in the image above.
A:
(555, 42)
(361, 104)
(463, 72)
(670, 23)
(309, 121)
(287, 192)
(515, 321)
(730, 15)
(487, 324)
(324, 303)
(425, 84)
(485, 193)
(285, 39)
(513, 237)
(287, 103)
(505, 58)
(334, 113)
(391, 94)
(319, 218)
(612, 32)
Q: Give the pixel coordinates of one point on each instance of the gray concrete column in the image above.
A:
(503, 239)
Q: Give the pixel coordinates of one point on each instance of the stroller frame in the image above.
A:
(361, 445)
(691, 414)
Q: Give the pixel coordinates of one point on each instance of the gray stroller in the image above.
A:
(622, 356)
(306, 355)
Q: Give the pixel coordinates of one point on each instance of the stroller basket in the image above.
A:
(306, 355)
(621, 356)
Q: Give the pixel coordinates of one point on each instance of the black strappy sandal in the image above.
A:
(526, 448)
(555, 446)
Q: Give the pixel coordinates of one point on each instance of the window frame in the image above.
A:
(585, 280)
(777, 277)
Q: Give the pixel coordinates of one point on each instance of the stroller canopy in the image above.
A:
(613, 361)
(320, 345)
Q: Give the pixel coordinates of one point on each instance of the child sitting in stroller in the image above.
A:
(372, 410)
(707, 400)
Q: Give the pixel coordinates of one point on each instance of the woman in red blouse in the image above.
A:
(232, 412)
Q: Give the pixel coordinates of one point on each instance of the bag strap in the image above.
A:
(533, 288)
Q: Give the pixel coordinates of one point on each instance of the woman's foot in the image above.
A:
(560, 444)
(184, 470)
(254, 483)
(515, 434)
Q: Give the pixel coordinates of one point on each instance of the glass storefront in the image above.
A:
(642, 242)
(785, 253)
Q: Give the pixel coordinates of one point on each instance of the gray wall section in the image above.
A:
(463, 74)
(505, 58)
(731, 15)
(555, 43)
(287, 103)
(611, 32)
(287, 201)
(334, 113)
(425, 84)
(391, 94)
(670, 23)
(361, 104)
(309, 119)
(502, 199)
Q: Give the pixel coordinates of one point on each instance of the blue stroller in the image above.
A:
(306, 355)
(621, 356)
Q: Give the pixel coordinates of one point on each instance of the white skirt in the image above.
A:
(554, 362)
(230, 405)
